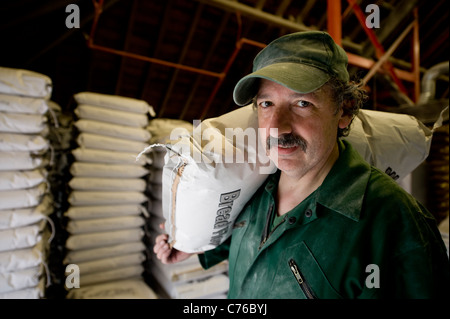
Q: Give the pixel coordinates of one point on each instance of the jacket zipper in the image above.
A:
(301, 280)
(266, 234)
(266, 227)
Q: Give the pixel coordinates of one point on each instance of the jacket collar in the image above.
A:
(345, 185)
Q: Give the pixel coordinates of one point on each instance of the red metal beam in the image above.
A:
(416, 56)
(379, 50)
(233, 56)
(366, 63)
(157, 61)
(334, 20)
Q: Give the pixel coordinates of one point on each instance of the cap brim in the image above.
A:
(301, 78)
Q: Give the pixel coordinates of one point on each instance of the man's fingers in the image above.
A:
(164, 253)
(159, 242)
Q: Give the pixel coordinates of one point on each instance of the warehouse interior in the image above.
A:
(184, 57)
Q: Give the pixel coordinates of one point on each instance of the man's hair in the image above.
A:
(349, 96)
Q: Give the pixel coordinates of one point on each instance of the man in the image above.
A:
(326, 224)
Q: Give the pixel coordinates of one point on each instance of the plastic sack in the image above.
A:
(91, 254)
(107, 184)
(87, 169)
(115, 102)
(23, 142)
(16, 161)
(106, 238)
(108, 157)
(20, 217)
(100, 113)
(20, 104)
(111, 275)
(113, 130)
(104, 224)
(105, 264)
(22, 198)
(22, 123)
(18, 179)
(203, 191)
(207, 181)
(36, 292)
(80, 198)
(19, 279)
(104, 211)
(25, 83)
(133, 288)
(108, 143)
(394, 143)
(20, 237)
(17, 259)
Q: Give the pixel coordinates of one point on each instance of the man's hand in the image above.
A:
(166, 254)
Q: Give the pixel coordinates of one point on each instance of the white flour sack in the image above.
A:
(394, 143)
(25, 83)
(210, 174)
(208, 177)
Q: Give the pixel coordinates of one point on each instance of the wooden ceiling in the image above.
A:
(184, 56)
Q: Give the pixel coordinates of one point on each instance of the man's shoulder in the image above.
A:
(387, 200)
(382, 186)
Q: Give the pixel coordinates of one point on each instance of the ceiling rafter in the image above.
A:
(187, 43)
(126, 46)
(218, 35)
(146, 41)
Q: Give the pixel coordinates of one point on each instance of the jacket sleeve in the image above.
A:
(213, 257)
(419, 268)
(423, 272)
(420, 274)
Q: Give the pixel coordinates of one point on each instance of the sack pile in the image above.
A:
(187, 279)
(25, 197)
(60, 137)
(106, 214)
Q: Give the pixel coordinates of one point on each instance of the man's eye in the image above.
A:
(303, 103)
(264, 104)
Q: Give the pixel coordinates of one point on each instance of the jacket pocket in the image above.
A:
(301, 279)
(299, 275)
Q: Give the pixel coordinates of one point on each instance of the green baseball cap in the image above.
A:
(301, 61)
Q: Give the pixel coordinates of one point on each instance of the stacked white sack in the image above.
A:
(188, 280)
(106, 216)
(185, 280)
(25, 199)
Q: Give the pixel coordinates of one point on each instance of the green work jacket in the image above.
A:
(359, 235)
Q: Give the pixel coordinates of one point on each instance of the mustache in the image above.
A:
(286, 140)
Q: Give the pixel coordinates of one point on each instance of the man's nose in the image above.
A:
(281, 120)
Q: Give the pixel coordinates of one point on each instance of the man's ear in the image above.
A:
(345, 121)
(345, 118)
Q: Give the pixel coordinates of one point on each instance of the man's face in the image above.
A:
(307, 126)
